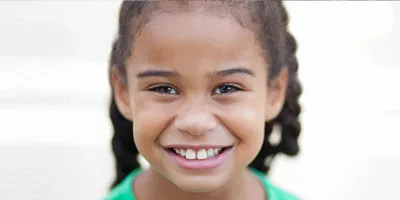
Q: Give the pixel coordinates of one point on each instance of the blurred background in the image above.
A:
(54, 127)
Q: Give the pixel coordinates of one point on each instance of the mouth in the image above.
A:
(198, 158)
(199, 154)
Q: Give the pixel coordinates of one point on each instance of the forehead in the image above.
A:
(193, 34)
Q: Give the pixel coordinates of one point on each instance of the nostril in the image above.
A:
(197, 128)
(195, 122)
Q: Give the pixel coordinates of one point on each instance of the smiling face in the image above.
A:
(197, 94)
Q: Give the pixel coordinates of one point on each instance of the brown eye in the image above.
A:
(164, 89)
(227, 89)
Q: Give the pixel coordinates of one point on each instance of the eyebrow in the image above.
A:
(153, 72)
(236, 70)
(167, 73)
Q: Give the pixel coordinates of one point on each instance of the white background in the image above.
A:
(54, 126)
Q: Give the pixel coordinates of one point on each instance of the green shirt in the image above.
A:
(123, 191)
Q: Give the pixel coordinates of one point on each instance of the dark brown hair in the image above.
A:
(279, 45)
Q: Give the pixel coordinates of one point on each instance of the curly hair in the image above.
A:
(280, 49)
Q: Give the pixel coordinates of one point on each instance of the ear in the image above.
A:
(121, 94)
(276, 95)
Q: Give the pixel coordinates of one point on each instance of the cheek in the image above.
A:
(149, 121)
(246, 122)
(247, 125)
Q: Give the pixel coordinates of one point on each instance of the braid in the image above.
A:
(124, 149)
(287, 119)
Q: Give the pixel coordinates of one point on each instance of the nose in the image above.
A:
(195, 121)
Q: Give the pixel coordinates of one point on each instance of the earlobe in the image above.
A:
(120, 92)
(276, 95)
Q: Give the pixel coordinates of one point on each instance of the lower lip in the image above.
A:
(206, 164)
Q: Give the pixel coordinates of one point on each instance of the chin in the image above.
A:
(200, 184)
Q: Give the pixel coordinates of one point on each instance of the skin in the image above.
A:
(175, 94)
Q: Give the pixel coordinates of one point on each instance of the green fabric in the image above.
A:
(273, 192)
(123, 191)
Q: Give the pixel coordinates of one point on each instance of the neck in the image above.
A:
(241, 186)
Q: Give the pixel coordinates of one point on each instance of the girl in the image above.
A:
(204, 83)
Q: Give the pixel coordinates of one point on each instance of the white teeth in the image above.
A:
(201, 154)
(182, 152)
(210, 153)
(217, 150)
(190, 154)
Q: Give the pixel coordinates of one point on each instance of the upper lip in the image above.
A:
(195, 147)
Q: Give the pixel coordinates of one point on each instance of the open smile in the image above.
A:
(199, 158)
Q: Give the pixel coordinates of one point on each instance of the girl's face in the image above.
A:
(198, 97)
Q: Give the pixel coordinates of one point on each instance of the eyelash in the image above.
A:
(161, 89)
(166, 89)
(235, 88)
